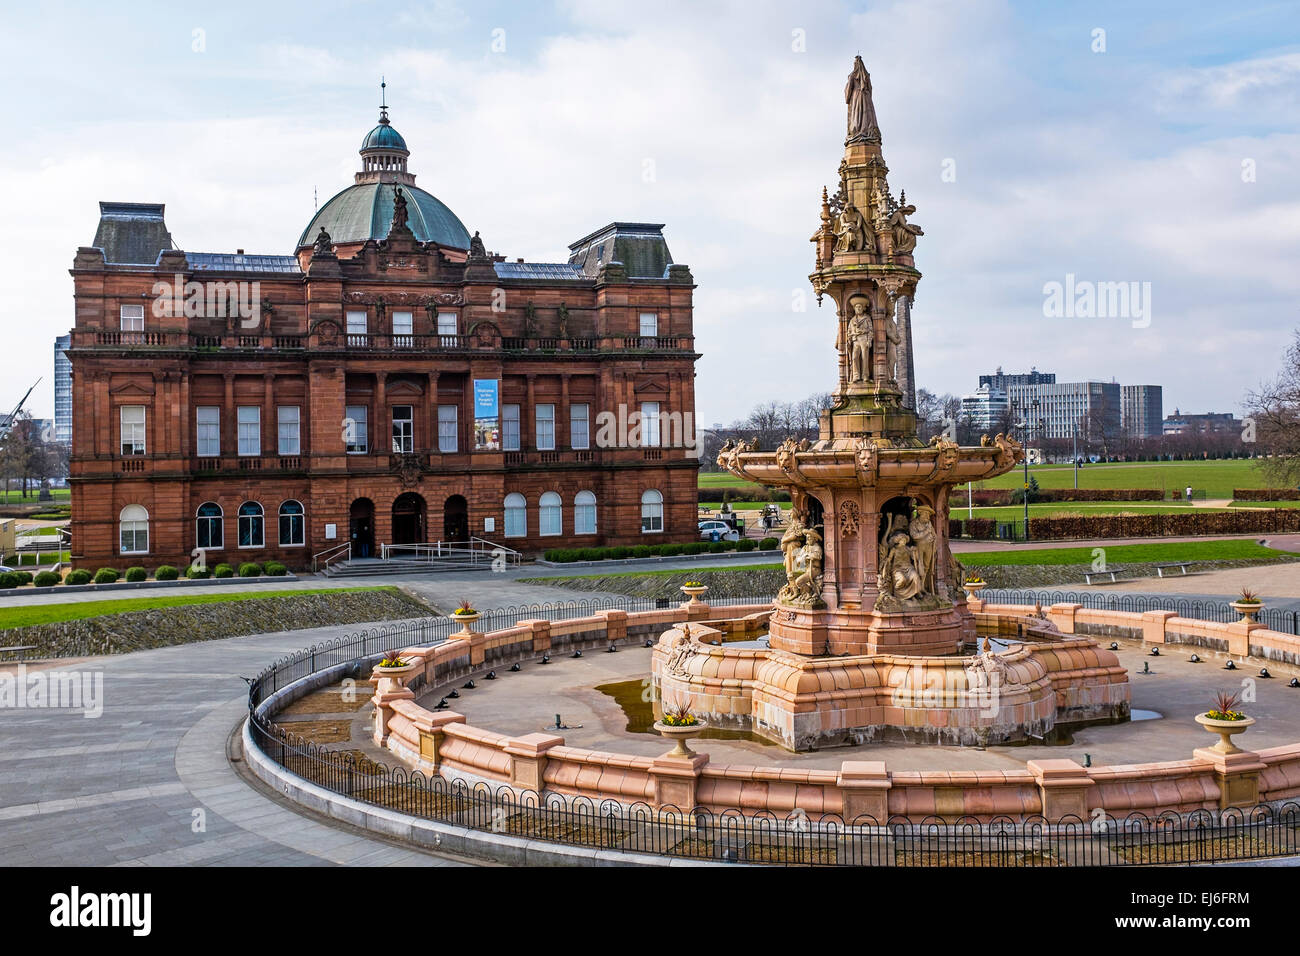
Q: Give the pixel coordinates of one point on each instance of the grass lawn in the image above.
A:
(1216, 478)
(15, 497)
(21, 561)
(1084, 508)
(1266, 504)
(1118, 554)
(750, 505)
(53, 613)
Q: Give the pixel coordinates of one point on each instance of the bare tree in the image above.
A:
(1275, 410)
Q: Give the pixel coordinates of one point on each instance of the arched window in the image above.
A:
(516, 516)
(584, 513)
(550, 511)
(211, 526)
(293, 531)
(133, 525)
(251, 531)
(652, 512)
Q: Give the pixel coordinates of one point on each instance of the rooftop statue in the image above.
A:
(862, 112)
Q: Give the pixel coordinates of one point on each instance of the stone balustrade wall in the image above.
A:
(441, 741)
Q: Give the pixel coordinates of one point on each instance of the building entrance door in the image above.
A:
(361, 527)
(455, 519)
(408, 519)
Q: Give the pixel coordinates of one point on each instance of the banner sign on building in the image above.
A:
(487, 421)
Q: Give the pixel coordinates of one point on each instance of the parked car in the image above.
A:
(5, 570)
(714, 530)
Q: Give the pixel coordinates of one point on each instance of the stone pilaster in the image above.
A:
(1238, 775)
(865, 786)
(528, 760)
(1063, 788)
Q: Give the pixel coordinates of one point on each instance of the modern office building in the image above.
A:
(62, 390)
(391, 382)
(986, 407)
(1140, 411)
(1090, 410)
(1003, 381)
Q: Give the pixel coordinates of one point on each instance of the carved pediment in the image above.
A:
(130, 389)
(650, 385)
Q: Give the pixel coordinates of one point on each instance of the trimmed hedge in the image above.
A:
(105, 576)
(223, 571)
(250, 569)
(9, 579)
(769, 544)
(79, 576)
(741, 493)
(1243, 521)
(1266, 494)
(46, 579)
(275, 569)
(136, 574)
(564, 555)
(166, 572)
(194, 574)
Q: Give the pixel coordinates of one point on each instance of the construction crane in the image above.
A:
(7, 425)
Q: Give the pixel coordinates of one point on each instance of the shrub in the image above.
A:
(105, 576)
(9, 579)
(275, 569)
(165, 572)
(250, 569)
(79, 576)
(193, 573)
(136, 574)
(24, 577)
(769, 544)
(223, 571)
(641, 551)
(746, 544)
(621, 552)
(671, 550)
(46, 579)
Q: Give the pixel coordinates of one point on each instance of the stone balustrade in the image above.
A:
(441, 742)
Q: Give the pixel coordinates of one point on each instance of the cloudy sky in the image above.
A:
(1163, 150)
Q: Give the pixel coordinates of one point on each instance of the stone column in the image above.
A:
(381, 440)
(562, 414)
(906, 369)
(270, 425)
(228, 427)
(528, 420)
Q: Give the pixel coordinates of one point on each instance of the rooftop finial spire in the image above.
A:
(383, 100)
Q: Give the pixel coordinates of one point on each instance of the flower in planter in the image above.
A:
(693, 584)
(679, 715)
(974, 580)
(465, 608)
(1223, 707)
(393, 659)
(1248, 597)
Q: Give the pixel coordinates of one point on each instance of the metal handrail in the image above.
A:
(475, 549)
(334, 552)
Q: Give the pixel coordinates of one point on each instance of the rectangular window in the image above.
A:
(249, 418)
(650, 424)
(545, 427)
(509, 427)
(446, 428)
(132, 318)
(649, 324)
(289, 433)
(134, 538)
(356, 429)
(403, 429)
(403, 327)
(132, 429)
(579, 437)
(356, 322)
(208, 418)
(446, 323)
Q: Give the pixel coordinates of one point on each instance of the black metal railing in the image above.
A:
(1137, 839)
(1276, 619)
(796, 839)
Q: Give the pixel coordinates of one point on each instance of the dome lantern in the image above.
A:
(383, 151)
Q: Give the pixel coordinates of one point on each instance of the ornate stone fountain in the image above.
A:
(871, 583)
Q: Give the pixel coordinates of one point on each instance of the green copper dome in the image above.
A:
(365, 211)
(383, 136)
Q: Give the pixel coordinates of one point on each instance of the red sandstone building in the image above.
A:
(389, 383)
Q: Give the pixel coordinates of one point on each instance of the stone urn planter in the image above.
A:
(973, 588)
(396, 674)
(1225, 729)
(695, 592)
(465, 620)
(1247, 610)
(679, 736)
